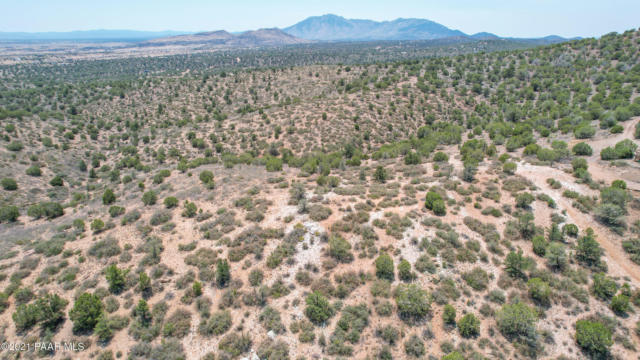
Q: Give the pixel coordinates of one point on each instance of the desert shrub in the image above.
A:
(319, 212)
(340, 249)
(477, 278)
(160, 217)
(86, 312)
(273, 164)
(469, 326)
(56, 181)
(115, 211)
(170, 202)
(435, 203)
(620, 304)
(206, 177)
(523, 200)
(9, 184)
(50, 210)
(539, 291)
(217, 324)
(190, 209)
(584, 131)
(97, 225)
(235, 344)
(509, 167)
(380, 174)
(404, 271)
(414, 346)
(318, 309)
(516, 320)
(270, 319)
(440, 157)
(130, 217)
(449, 315)
(116, 278)
(105, 248)
(34, 170)
(178, 324)
(593, 337)
(9, 213)
(273, 350)
(582, 149)
(223, 273)
(149, 198)
(108, 197)
(412, 158)
(15, 146)
(413, 302)
(255, 277)
(385, 267)
(603, 286)
(47, 311)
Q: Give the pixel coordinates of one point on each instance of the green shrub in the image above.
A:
(435, 203)
(593, 337)
(318, 309)
(56, 181)
(116, 278)
(9, 184)
(539, 291)
(449, 314)
(34, 170)
(469, 326)
(190, 209)
(206, 177)
(582, 149)
(384, 267)
(97, 225)
(223, 273)
(414, 346)
(217, 324)
(412, 301)
(380, 174)
(477, 278)
(115, 211)
(170, 202)
(603, 286)
(620, 304)
(404, 271)
(108, 197)
(50, 210)
(273, 164)
(9, 213)
(440, 157)
(412, 158)
(86, 312)
(340, 249)
(509, 168)
(516, 320)
(15, 146)
(149, 198)
(584, 131)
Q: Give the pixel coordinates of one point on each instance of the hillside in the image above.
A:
(262, 37)
(471, 206)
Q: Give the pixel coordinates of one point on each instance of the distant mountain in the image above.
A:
(262, 37)
(89, 35)
(336, 28)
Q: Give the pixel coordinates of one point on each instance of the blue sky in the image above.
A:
(522, 18)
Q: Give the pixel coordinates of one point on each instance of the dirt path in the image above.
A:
(617, 260)
(602, 170)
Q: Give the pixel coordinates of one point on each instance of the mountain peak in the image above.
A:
(331, 27)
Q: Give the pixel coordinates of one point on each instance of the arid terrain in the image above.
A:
(477, 205)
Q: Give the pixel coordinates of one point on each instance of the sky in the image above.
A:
(518, 18)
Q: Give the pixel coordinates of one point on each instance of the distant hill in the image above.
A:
(262, 37)
(332, 27)
(337, 28)
(89, 35)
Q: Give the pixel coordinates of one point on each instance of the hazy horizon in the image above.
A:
(522, 19)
